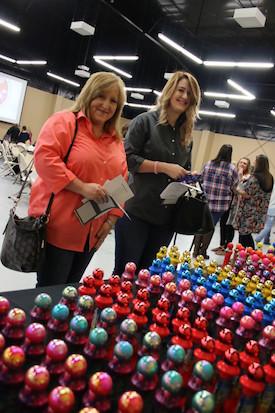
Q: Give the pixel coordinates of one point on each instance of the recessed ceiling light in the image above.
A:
(31, 62)
(107, 57)
(219, 114)
(138, 89)
(116, 69)
(9, 26)
(63, 79)
(8, 59)
(139, 105)
(272, 112)
(238, 87)
(243, 65)
(179, 48)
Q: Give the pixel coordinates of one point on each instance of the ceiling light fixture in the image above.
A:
(9, 25)
(157, 92)
(121, 72)
(31, 62)
(219, 114)
(136, 95)
(238, 87)
(63, 79)
(8, 59)
(227, 96)
(139, 105)
(138, 89)
(272, 112)
(116, 57)
(243, 65)
(179, 48)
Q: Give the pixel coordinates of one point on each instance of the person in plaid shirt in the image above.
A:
(219, 178)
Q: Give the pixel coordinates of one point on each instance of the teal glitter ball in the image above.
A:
(86, 302)
(79, 324)
(128, 327)
(203, 402)
(172, 381)
(147, 366)
(204, 370)
(60, 312)
(176, 354)
(152, 340)
(98, 336)
(70, 293)
(123, 350)
(43, 301)
(108, 315)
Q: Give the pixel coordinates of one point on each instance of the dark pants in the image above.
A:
(226, 231)
(201, 242)
(61, 266)
(138, 241)
(246, 240)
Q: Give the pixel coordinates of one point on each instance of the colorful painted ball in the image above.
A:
(57, 350)
(43, 301)
(130, 402)
(226, 312)
(171, 287)
(13, 357)
(203, 402)
(98, 336)
(147, 366)
(37, 377)
(155, 280)
(16, 317)
(247, 322)
(130, 267)
(76, 365)
(176, 354)
(238, 307)
(2, 343)
(79, 324)
(60, 312)
(36, 333)
(4, 305)
(70, 293)
(152, 340)
(61, 399)
(128, 327)
(101, 383)
(108, 315)
(123, 350)
(218, 299)
(172, 381)
(86, 303)
(204, 370)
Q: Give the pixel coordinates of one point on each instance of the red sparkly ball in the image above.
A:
(247, 322)
(16, 317)
(57, 350)
(101, 383)
(61, 399)
(37, 378)
(2, 343)
(98, 273)
(76, 365)
(14, 357)
(130, 267)
(232, 355)
(155, 280)
(4, 305)
(130, 402)
(36, 333)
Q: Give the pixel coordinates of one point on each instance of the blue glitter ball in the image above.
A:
(108, 315)
(60, 312)
(204, 370)
(79, 324)
(86, 302)
(70, 293)
(43, 301)
(123, 350)
(147, 366)
(172, 381)
(98, 336)
(176, 354)
(128, 327)
(203, 402)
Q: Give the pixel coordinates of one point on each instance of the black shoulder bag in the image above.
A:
(24, 239)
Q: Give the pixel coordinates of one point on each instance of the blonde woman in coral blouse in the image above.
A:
(96, 155)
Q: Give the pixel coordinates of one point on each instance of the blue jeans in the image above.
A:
(265, 233)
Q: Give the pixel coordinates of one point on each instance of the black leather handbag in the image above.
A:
(24, 238)
(192, 215)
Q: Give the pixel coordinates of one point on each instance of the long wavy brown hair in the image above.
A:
(192, 111)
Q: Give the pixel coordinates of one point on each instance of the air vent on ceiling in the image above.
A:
(136, 95)
(82, 28)
(222, 104)
(249, 17)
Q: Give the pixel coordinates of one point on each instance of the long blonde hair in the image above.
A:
(192, 111)
(94, 86)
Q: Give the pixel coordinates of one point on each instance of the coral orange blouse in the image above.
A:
(91, 160)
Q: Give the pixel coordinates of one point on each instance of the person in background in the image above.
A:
(158, 146)
(226, 229)
(255, 195)
(12, 133)
(269, 222)
(24, 136)
(97, 155)
(219, 178)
